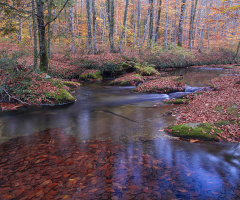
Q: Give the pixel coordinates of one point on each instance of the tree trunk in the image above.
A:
(157, 36)
(192, 19)
(35, 50)
(76, 17)
(180, 31)
(30, 30)
(138, 21)
(49, 28)
(110, 13)
(124, 25)
(89, 26)
(71, 21)
(42, 40)
(54, 24)
(235, 56)
(202, 14)
(81, 14)
(145, 32)
(150, 33)
(175, 24)
(19, 33)
(94, 27)
(166, 26)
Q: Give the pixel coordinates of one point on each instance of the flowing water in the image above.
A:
(137, 121)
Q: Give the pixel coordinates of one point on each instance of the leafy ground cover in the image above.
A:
(161, 85)
(219, 105)
(29, 87)
(131, 79)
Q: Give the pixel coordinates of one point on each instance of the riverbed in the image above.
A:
(137, 121)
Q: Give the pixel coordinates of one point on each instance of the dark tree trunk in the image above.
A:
(193, 15)
(34, 33)
(180, 32)
(42, 40)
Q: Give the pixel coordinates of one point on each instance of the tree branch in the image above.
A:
(10, 97)
(57, 14)
(13, 8)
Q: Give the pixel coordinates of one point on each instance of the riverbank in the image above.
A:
(219, 107)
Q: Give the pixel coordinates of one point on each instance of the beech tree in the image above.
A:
(180, 31)
(110, 13)
(192, 19)
(158, 20)
(43, 50)
(124, 26)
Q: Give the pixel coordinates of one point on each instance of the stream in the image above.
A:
(137, 121)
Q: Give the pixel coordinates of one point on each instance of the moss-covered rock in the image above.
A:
(203, 131)
(60, 97)
(91, 74)
(71, 84)
(145, 69)
(128, 80)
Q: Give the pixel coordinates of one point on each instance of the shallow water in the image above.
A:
(191, 171)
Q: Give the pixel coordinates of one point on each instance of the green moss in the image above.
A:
(71, 84)
(60, 97)
(177, 101)
(200, 131)
(56, 83)
(92, 74)
(233, 110)
(145, 69)
(221, 123)
(218, 108)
